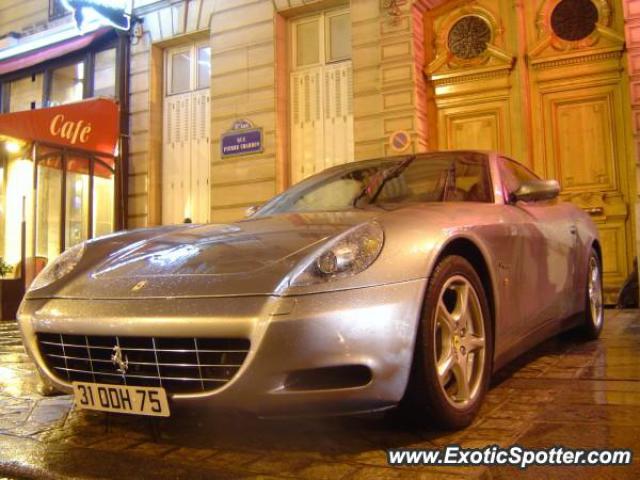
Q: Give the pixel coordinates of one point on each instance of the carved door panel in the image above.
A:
(484, 126)
(578, 97)
(583, 151)
(542, 81)
(471, 72)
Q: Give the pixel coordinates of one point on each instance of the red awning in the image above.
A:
(91, 125)
(40, 55)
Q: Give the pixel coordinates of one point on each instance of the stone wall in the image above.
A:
(243, 85)
(386, 80)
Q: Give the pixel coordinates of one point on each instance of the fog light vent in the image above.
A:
(329, 378)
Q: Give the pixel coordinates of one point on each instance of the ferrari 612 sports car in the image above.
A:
(400, 281)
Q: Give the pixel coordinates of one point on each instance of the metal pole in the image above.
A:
(122, 170)
(23, 241)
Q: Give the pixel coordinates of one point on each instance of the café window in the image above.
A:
(67, 84)
(26, 93)
(75, 199)
(88, 75)
(104, 73)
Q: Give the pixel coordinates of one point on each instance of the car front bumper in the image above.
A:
(373, 327)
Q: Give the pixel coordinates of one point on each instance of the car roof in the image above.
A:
(489, 153)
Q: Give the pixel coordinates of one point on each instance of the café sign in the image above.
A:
(91, 125)
(72, 131)
(242, 139)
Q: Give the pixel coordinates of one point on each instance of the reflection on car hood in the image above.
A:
(243, 258)
(239, 248)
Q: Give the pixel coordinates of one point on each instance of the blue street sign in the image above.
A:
(244, 140)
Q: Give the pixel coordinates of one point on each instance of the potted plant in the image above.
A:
(5, 268)
(11, 290)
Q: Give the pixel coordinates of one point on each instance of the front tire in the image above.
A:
(454, 348)
(594, 310)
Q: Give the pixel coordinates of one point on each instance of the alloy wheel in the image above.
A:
(595, 292)
(460, 342)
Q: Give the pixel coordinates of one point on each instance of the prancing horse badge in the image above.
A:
(139, 286)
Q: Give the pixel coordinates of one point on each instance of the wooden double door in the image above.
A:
(544, 82)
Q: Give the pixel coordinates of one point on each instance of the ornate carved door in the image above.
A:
(545, 83)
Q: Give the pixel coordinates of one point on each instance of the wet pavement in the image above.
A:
(565, 392)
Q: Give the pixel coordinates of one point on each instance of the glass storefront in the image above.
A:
(17, 203)
(49, 201)
(75, 199)
(61, 196)
(103, 202)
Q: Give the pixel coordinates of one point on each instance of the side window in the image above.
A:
(472, 180)
(514, 175)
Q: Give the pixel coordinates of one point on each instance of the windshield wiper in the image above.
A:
(383, 177)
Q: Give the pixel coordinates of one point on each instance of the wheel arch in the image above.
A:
(470, 251)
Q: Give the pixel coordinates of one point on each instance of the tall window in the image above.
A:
(26, 93)
(186, 126)
(321, 93)
(57, 9)
(104, 73)
(74, 199)
(63, 83)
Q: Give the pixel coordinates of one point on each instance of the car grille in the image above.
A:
(180, 365)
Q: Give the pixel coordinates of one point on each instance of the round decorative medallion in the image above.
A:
(469, 36)
(573, 20)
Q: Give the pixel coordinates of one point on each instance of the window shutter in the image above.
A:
(307, 122)
(338, 137)
(200, 156)
(321, 116)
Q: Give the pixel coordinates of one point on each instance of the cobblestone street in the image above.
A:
(566, 392)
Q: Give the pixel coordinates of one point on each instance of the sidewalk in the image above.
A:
(565, 392)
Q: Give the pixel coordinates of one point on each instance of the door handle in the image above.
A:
(594, 212)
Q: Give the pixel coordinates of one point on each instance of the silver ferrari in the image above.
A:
(399, 281)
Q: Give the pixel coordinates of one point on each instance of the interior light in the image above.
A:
(12, 146)
(19, 186)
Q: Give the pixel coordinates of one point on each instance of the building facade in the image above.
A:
(61, 173)
(231, 101)
(301, 72)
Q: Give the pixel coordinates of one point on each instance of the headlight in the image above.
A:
(347, 255)
(61, 266)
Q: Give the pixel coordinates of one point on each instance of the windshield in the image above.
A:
(435, 177)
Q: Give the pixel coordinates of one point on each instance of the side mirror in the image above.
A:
(537, 190)
(250, 211)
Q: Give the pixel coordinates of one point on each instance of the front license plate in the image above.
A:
(121, 399)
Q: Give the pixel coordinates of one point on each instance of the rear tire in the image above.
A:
(454, 348)
(594, 311)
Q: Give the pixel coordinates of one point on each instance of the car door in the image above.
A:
(546, 276)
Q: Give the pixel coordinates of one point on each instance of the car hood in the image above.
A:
(243, 258)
